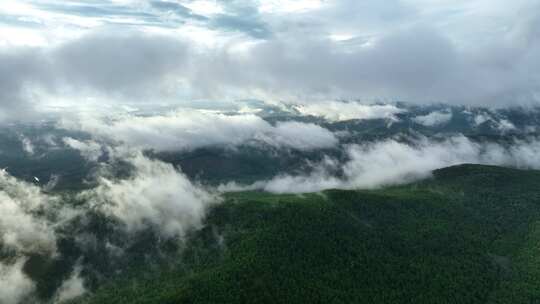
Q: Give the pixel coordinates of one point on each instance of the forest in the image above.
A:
(470, 234)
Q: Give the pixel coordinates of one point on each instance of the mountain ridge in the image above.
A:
(459, 237)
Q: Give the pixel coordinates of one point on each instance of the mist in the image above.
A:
(393, 162)
(156, 195)
(186, 129)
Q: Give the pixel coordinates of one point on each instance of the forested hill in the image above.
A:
(470, 234)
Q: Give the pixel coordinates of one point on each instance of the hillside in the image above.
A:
(468, 235)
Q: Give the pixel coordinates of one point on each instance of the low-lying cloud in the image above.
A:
(71, 288)
(340, 111)
(15, 286)
(88, 149)
(156, 195)
(434, 118)
(391, 162)
(21, 229)
(191, 129)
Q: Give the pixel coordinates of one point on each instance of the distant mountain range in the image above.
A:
(334, 203)
(38, 149)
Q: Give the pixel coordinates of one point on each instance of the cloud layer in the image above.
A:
(190, 129)
(155, 196)
(341, 111)
(410, 50)
(22, 232)
(434, 118)
(20, 229)
(391, 162)
(15, 286)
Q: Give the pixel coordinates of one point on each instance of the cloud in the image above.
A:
(505, 125)
(241, 16)
(320, 178)
(498, 122)
(434, 118)
(19, 68)
(21, 229)
(89, 149)
(482, 118)
(191, 129)
(117, 65)
(426, 68)
(156, 196)
(298, 135)
(27, 228)
(71, 288)
(27, 145)
(15, 286)
(390, 55)
(391, 162)
(125, 64)
(341, 111)
(418, 64)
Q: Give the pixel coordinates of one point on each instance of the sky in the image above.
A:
(64, 54)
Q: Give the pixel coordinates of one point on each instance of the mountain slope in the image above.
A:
(469, 235)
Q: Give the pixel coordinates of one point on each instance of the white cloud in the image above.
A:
(205, 7)
(15, 286)
(391, 162)
(71, 288)
(10, 36)
(500, 123)
(20, 229)
(27, 226)
(297, 135)
(505, 125)
(434, 118)
(482, 118)
(27, 145)
(398, 50)
(236, 187)
(89, 149)
(287, 7)
(157, 195)
(319, 179)
(190, 129)
(340, 111)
